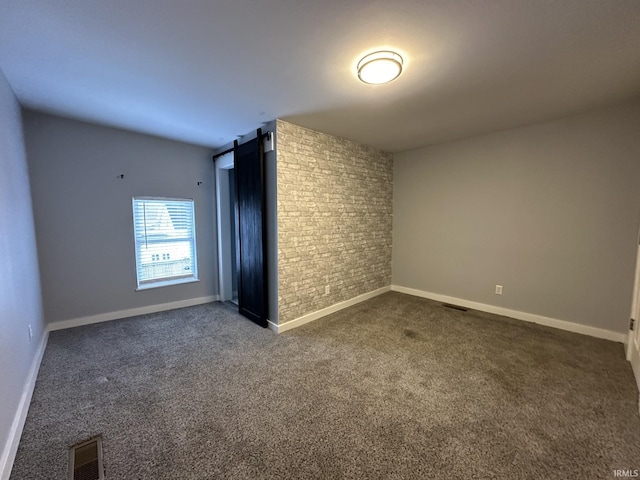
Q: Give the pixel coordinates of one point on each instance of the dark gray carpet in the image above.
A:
(397, 388)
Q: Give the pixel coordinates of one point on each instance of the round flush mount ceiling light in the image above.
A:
(380, 67)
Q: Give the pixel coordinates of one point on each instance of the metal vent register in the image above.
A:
(454, 307)
(85, 460)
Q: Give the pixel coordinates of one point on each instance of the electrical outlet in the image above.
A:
(30, 332)
(498, 289)
(327, 290)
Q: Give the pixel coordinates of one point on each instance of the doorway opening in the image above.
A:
(228, 247)
(242, 246)
(233, 230)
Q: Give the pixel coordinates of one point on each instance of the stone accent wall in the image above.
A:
(335, 201)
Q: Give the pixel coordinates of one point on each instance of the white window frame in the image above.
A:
(165, 281)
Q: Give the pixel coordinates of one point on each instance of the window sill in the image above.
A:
(166, 283)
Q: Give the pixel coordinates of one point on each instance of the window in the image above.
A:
(164, 228)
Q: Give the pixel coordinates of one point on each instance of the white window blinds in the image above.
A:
(165, 241)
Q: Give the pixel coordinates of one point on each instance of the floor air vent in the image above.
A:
(455, 307)
(85, 460)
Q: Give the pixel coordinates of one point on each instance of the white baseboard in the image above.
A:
(527, 317)
(310, 317)
(8, 455)
(634, 358)
(132, 312)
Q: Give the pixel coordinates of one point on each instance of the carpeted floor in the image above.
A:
(397, 387)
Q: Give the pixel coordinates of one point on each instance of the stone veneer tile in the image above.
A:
(334, 220)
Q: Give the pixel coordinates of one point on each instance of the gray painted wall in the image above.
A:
(83, 212)
(20, 300)
(549, 211)
(271, 181)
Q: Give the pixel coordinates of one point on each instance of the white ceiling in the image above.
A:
(205, 71)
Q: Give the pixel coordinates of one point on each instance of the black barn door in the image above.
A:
(252, 270)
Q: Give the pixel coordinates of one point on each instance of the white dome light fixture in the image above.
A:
(380, 67)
